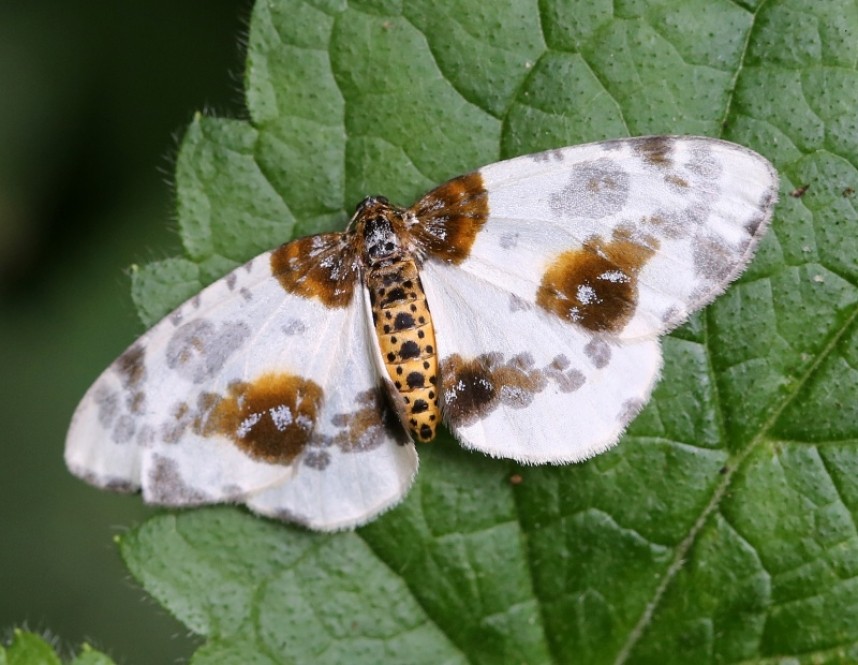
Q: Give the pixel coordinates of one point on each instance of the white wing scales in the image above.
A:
(168, 416)
(549, 278)
(548, 327)
(521, 384)
(695, 207)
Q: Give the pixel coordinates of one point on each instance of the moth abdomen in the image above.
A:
(406, 338)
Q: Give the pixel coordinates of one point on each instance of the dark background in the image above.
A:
(94, 96)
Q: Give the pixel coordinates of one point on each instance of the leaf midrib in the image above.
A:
(736, 462)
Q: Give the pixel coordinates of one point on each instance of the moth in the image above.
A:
(521, 305)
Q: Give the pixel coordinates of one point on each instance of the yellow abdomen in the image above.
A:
(406, 337)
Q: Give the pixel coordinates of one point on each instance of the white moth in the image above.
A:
(521, 303)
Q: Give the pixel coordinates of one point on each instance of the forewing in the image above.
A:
(258, 390)
(522, 384)
(623, 237)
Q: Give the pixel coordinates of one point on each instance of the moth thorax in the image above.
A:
(380, 241)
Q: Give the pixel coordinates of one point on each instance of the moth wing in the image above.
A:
(624, 237)
(522, 384)
(251, 393)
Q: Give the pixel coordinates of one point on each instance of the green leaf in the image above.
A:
(28, 648)
(723, 527)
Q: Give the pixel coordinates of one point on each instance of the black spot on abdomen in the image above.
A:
(403, 321)
(409, 350)
(396, 294)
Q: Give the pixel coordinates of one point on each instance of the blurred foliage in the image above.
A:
(30, 649)
(92, 92)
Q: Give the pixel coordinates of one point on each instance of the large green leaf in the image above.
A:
(723, 528)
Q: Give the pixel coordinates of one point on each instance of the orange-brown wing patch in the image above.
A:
(369, 425)
(655, 150)
(474, 387)
(450, 217)
(131, 367)
(320, 267)
(271, 419)
(597, 286)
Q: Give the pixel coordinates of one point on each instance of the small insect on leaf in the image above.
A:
(520, 304)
